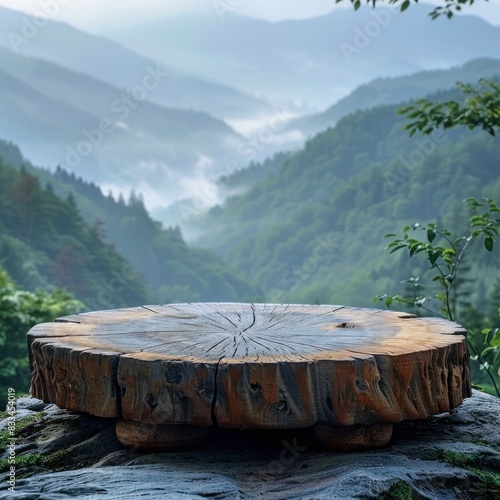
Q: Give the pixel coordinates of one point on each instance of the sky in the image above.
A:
(96, 14)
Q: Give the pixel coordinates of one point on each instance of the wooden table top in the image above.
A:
(251, 365)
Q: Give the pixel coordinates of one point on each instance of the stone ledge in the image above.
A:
(424, 459)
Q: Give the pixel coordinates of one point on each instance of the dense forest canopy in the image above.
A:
(348, 187)
(60, 231)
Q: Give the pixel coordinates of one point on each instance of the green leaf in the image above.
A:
(476, 219)
(495, 341)
(397, 248)
(488, 243)
(487, 350)
(388, 302)
(431, 235)
(405, 5)
(414, 249)
(433, 257)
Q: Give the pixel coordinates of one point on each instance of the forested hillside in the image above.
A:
(61, 117)
(45, 243)
(314, 230)
(59, 231)
(396, 90)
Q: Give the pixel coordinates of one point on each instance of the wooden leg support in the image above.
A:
(160, 436)
(354, 437)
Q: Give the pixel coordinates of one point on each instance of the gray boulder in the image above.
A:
(60, 454)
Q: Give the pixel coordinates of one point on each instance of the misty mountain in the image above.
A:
(29, 116)
(57, 230)
(313, 230)
(397, 89)
(94, 96)
(44, 244)
(230, 183)
(60, 117)
(110, 62)
(375, 93)
(312, 62)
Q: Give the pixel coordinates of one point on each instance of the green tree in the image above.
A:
(19, 311)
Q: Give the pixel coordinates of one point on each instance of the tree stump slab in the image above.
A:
(245, 366)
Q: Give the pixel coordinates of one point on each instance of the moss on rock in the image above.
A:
(400, 491)
(20, 426)
(485, 483)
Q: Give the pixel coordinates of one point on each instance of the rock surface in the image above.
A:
(60, 454)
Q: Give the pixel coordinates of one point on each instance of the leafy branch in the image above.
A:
(481, 108)
(492, 352)
(448, 9)
(446, 254)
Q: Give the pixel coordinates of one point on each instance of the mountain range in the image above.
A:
(312, 230)
(397, 89)
(57, 230)
(311, 63)
(108, 61)
(60, 117)
(381, 91)
(152, 118)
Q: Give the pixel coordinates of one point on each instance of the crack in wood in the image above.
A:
(169, 315)
(214, 346)
(213, 414)
(253, 322)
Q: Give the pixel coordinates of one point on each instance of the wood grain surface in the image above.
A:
(251, 365)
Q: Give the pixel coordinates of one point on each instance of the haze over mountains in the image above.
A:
(106, 60)
(312, 230)
(214, 88)
(397, 90)
(313, 62)
(59, 231)
(57, 115)
(382, 91)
